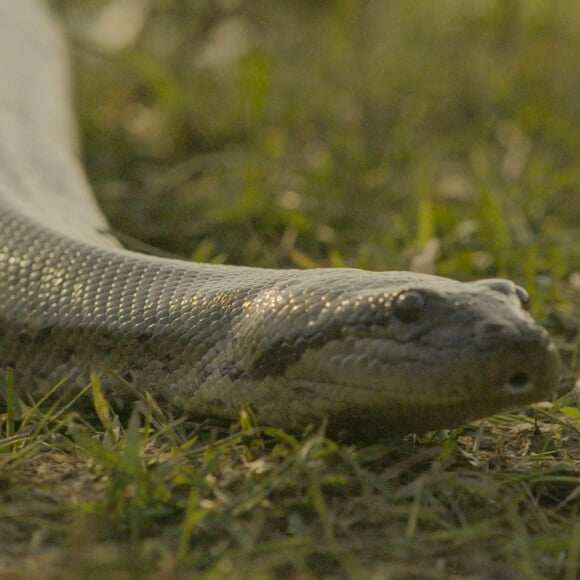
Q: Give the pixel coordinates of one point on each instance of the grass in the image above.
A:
(442, 137)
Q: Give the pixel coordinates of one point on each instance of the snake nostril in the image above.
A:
(519, 381)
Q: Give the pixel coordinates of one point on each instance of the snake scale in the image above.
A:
(380, 352)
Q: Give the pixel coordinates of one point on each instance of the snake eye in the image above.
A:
(524, 297)
(408, 306)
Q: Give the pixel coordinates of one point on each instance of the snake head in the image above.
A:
(390, 352)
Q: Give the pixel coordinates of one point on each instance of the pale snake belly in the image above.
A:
(385, 352)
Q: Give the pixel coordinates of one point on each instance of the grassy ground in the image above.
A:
(440, 136)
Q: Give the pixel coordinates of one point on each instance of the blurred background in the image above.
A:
(440, 136)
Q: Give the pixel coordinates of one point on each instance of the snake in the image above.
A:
(369, 351)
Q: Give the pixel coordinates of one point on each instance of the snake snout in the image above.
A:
(536, 369)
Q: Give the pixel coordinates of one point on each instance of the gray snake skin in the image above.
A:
(380, 352)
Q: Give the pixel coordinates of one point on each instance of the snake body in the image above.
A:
(384, 352)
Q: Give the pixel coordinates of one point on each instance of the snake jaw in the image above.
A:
(406, 399)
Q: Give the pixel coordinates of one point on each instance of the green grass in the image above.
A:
(163, 499)
(386, 135)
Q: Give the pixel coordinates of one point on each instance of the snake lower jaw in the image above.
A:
(393, 399)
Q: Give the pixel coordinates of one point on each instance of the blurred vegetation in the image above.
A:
(383, 134)
(357, 128)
